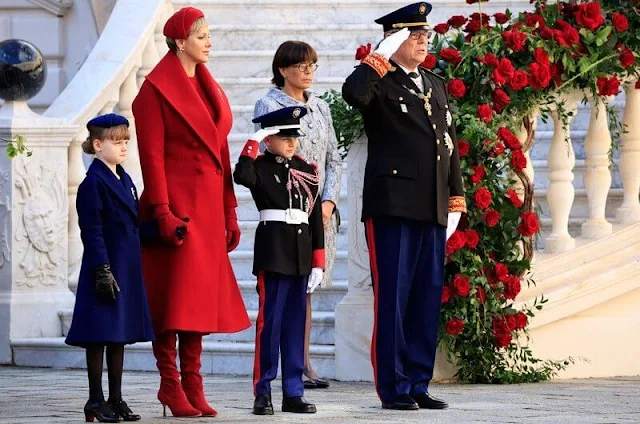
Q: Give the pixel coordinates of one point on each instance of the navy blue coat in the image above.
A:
(108, 218)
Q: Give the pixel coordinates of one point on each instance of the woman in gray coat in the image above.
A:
(294, 65)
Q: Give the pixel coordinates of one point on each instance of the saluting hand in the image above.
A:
(392, 43)
(261, 134)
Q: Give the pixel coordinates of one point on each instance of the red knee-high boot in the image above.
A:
(171, 393)
(190, 352)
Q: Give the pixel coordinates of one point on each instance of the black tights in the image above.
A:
(115, 361)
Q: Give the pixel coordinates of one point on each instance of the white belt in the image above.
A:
(290, 216)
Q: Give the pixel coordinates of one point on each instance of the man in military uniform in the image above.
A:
(412, 202)
(288, 254)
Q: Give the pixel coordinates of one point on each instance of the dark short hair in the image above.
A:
(289, 53)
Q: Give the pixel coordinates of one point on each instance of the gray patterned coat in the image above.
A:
(318, 146)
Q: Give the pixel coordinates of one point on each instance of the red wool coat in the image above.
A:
(184, 156)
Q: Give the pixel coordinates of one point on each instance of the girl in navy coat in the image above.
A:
(111, 302)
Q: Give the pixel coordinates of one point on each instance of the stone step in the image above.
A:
(257, 63)
(242, 261)
(249, 90)
(248, 234)
(322, 330)
(217, 357)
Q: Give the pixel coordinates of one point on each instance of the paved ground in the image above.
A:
(35, 395)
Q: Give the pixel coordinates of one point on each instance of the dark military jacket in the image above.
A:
(410, 172)
(290, 249)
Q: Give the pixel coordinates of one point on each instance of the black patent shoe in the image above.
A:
(262, 405)
(122, 409)
(298, 405)
(402, 403)
(426, 401)
(101, 411)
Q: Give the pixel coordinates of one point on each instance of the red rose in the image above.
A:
(558, 35)
(530, 224)
(608, 86)
(363, 51)
(518, 160)
(514, 198)
(509, 138)
(506, 68)
(482, 198)
(511, 322)
(498, 149)
(481, 295)
(429, 62)
(456, 88)
(455, 325)
(627, 58)
(472, 27)
(541, 56)
(489, 59)
(503, 340)
(457, 21)
(501, 18)
(546, 33)
(461, 285)
(502, 271)
(519, 80)
(478, 173)
(589, 15)
(561, 24)
(556, 73)
(491, 217)
(455, 242)
(473, 238)
(451, 55)
(515, 40)
(446, 294)
(620, 22)
(463, 148)
(479, 17)
(539, 76)
(571, 35)
(441, 28)
(521, 320)
(499, 325)
(498, 78)
(534, 20)
(500, 99)
(484, 113)
(512, 287)
(637, 86)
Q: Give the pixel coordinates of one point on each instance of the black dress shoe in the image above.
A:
(401, 402)
(101, 411)
(298, 405)
(426, 401)
(315, 384)
(262, 405)
(122, 409)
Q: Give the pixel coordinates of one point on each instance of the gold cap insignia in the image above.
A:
(422, 9)
(296, 112)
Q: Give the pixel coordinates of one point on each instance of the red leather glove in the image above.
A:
(233, 231)
(172, 230)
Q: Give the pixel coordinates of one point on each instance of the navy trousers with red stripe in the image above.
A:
(280, 328)
(407, 269)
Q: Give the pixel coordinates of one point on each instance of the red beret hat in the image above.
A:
(178, 25)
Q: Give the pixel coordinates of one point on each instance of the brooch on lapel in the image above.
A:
(133, 193)
(449, 118)
(449, 142)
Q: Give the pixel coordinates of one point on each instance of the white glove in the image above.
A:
(314, 279)
(452, 222)
(389, 45)
(262, 133)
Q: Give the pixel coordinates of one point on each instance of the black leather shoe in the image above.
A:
(101, 411)
(122, 409)
(426, 401)
(317, 383)
(298, 405)
(401, 402)
(262, 405)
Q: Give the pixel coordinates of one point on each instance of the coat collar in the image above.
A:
(170, 79)
(285, 100)
(123, 188)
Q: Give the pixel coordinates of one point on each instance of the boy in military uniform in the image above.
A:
(288, 253)
(412, 201)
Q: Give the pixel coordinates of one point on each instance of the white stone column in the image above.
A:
(560, 191)
(76, 174)
(34, 214)
(128, 92)
(354, 314)
(597, 177)
(629, 211)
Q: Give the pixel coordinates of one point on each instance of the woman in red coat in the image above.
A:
(182, 120)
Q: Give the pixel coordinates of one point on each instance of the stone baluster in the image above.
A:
(597, 177)
(149, 60)
(128, 92)
(160, 40)
(77, 172)
(629, 211)
(560, 191)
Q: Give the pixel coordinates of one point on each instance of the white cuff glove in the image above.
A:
(389, 45)
(314, 279)
(261, 134)
(452, 222)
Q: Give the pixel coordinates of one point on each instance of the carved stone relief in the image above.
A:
(5, 218)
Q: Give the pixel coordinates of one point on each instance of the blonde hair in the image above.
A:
(118, 132)
(199, 23)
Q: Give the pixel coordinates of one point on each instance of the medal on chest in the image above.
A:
(426, 98)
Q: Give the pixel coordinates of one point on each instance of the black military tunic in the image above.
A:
(289, 249)
(413, 167)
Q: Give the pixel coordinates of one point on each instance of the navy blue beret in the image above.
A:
(413, 16)
(287, 120)
(107, 121)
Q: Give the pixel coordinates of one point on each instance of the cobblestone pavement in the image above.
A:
(37, 395)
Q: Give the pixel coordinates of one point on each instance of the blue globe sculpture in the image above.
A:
(23, 70)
